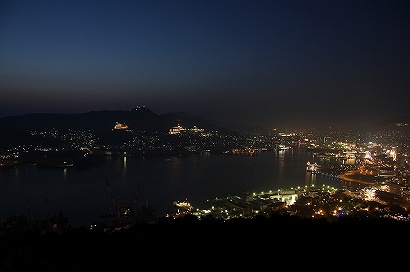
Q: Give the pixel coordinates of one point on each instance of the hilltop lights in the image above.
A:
(180, 129)
(120, 126)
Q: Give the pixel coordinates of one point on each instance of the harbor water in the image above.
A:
(83, 195)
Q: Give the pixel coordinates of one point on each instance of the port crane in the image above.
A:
(141, 213)
(120, 209)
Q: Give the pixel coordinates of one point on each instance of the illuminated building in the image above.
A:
(120, 126)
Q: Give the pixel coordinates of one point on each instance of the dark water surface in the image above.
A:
(83, 195)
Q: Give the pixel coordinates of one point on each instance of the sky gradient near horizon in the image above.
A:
(265, 63)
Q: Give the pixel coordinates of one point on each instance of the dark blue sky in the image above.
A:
(269, 63)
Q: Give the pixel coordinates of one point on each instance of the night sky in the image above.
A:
(265, 63)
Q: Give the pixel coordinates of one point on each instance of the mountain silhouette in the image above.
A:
(16, 129)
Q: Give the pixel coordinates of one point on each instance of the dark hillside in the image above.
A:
(138, 119)
(259, 243)
(97, 121)
(15, 130)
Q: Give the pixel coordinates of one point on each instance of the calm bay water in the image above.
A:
(84, 195)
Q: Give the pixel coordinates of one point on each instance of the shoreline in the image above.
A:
(356, 176)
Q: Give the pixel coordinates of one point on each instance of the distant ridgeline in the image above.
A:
(22, 129)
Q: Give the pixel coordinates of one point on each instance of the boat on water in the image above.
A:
(89, 160)
(53, 164)
(283, 147)
(182, 205)
(312, 167)
(182, 208)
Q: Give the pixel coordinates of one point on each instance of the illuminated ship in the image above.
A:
(312, 167)
(283, 147)
(183, 208)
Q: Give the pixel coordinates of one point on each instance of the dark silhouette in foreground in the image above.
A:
(189, 243)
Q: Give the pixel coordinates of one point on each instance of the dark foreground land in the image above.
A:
(278, 243)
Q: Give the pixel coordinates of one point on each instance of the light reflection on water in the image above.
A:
(157, 181)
